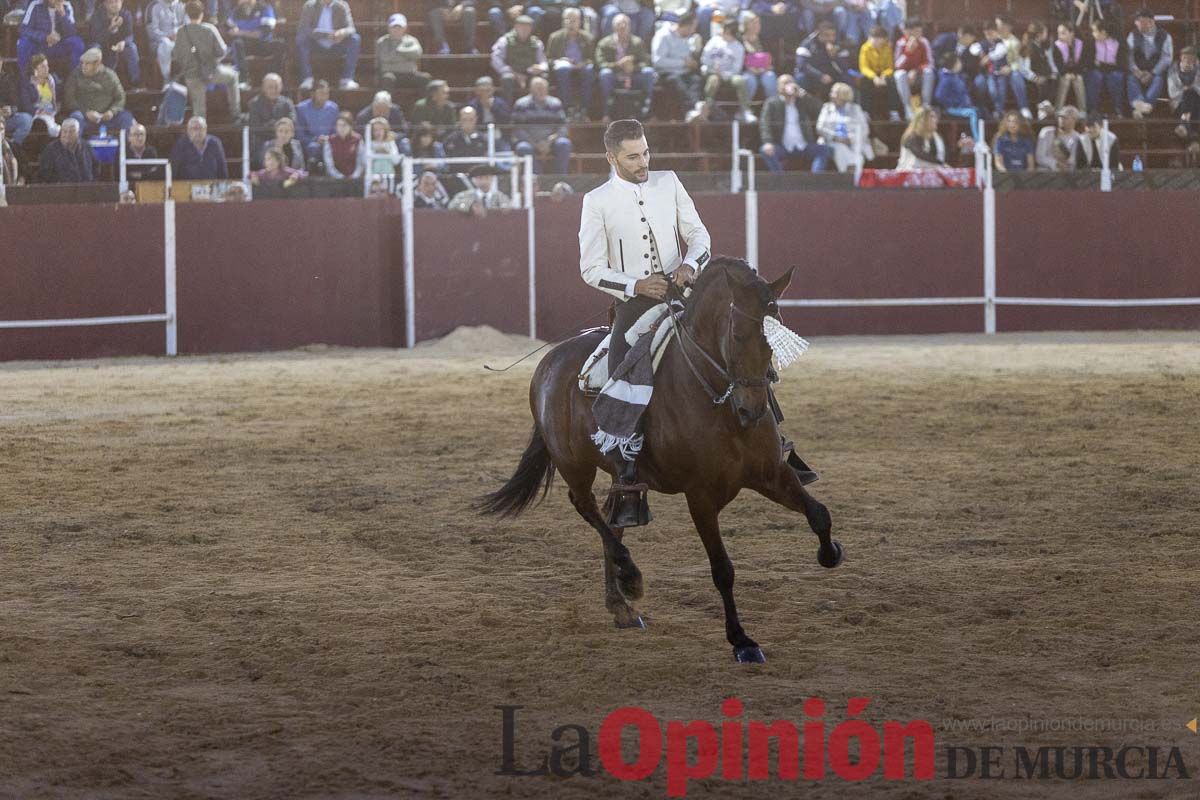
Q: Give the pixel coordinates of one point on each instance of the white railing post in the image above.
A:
(751, 209)
(410, 294)
(491, 151)
(169, 289)
(532, 242)
(515, 185)
(1105, 167)
(246, 155)
(989, 249)
(122, 182)
(735, 168)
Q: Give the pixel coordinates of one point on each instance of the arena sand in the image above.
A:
(257, 577)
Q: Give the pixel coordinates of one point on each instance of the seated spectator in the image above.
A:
(39, 94)
(721, 10)
(1072, 61)
(164, 18)
(1013, 144)
(251, 30)
(12, 113)
(48, 28)
(787, 129)
(541, 126)
(435, 107)
(111, 31)
(266, 109)
(429, 192)
(276, 172)
(1110, 68)
(758, 67)
(1077, 11)
(624, 63)
(137, 148)
(1038, 68)
(639, 14)
(825, 62)
(398, 57)
(327, 26)
(382, 106)
(1003, 55)
(197, 63)
(723, 58)
(10, 169)
(466, 140)
(1094, 142)
(779, 21)
(340, 153)
(67, 159)
(843, 127)
(914, 66)
(518, 56)
(675, 53)
(483, 196)
(380, 153)
(424, 145)
(285, 142)
(1057, 144)
(94, 96)
(571, 51)
(489, 109)
(921, 146)
(197, 156)
(878, 82)
(854, 20)
(952, 93)
(561, 191)
(315, 118)
(1183, 88)
(452, 11)
(235, 193)
(1151, 51)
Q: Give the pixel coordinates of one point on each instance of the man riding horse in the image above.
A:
(632, 236)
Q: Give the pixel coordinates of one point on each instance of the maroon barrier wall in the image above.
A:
(564, 301)
(278, 274)
(873, 244)
(468, 271)
(60, 262)
(1096, 245)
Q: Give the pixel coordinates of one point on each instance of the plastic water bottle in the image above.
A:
(1137, 163)
(103, 131)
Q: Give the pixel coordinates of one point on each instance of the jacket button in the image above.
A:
(647, 272)
(641, 203)
(645, 255)
(643, 219)
(645, 236)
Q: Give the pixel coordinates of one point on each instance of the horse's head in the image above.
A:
(732, 310)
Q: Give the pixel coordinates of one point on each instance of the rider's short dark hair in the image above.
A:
(620, 131)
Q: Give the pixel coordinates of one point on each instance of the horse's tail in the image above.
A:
(535, 470)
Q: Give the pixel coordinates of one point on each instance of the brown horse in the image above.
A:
(698, 442)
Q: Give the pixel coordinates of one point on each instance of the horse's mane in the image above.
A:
(711, 280)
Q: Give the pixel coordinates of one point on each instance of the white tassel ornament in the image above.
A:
(785, 344)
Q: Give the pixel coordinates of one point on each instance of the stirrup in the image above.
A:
(802, 470)
(627, 505)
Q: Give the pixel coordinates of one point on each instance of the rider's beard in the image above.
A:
(640, 176)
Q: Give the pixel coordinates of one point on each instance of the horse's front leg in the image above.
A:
(783, 486)
(704, 514)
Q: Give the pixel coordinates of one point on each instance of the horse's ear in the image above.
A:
(780, 284)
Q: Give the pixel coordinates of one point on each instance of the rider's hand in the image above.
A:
(655, 286)
(683, 275)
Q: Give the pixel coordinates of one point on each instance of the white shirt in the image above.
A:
(793, 136)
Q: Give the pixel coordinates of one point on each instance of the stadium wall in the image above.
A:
(282, 274)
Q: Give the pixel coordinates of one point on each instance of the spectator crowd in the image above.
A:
(813, 76)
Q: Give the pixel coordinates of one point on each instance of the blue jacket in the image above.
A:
(500, 110)
(189, 164)
(99, 35)
(35, 24)
(312, 122)
(951, 90)
(29, 94)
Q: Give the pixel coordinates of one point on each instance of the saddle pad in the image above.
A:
(594, 374)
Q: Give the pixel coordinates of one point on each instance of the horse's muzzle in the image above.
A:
(747, 418)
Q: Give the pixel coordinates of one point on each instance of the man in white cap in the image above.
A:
(398, 56)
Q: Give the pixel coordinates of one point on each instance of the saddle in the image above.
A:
(594, 374)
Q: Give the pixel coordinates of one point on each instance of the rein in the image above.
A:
(726, 373)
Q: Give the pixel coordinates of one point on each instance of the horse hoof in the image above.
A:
(636, 622)
(749, 655)
(828, 561)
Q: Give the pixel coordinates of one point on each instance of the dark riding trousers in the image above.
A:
(628, 312)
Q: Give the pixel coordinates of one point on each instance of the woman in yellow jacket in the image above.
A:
(878, 83)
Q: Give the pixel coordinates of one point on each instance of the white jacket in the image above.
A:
(614, 233)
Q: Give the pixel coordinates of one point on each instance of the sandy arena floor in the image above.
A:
(257, 577)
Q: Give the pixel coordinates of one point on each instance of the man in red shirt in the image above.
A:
(914, 66)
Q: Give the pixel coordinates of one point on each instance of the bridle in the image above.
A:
(726, 372)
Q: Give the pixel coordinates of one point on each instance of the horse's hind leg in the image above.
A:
(622, 578)
(787, 491)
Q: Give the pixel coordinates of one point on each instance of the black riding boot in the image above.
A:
(803, 472)
(627, 506)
